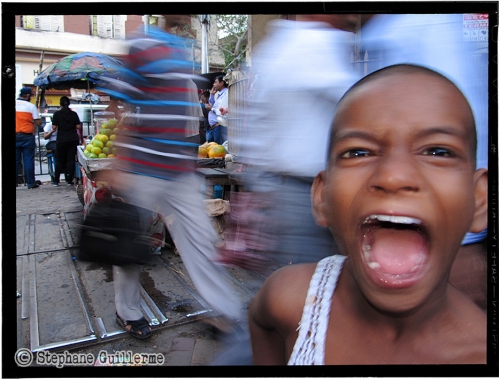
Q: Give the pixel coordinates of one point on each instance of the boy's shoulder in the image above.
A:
(458, 335)
(466, 330)
(298, 272)
(282, 295)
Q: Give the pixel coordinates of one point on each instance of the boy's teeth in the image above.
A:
(394, 219)
(373, 265)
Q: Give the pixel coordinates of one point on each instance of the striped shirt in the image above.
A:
(156, 81)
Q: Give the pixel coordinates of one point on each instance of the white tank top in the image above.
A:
(309, 347)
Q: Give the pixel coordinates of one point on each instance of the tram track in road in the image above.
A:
(57, 309)
(246, 281)
(64, 303)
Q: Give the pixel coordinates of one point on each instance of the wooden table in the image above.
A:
(225, 177)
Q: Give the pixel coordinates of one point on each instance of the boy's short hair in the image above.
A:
(405, 68)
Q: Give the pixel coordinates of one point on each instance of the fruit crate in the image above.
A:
(93, 165)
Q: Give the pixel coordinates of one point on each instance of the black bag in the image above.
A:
(51, 145)
(210, 163)
(112, 234)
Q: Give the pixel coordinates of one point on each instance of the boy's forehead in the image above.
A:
(413, 99)
(409, 98)
(401, 82)
(401, 87)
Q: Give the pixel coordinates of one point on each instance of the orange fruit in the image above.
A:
(202, 152)
(106, 132)
(103, 138)
(217, 152)
(209, 145)
(96, 142)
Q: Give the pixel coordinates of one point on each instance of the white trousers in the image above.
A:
(192, 233)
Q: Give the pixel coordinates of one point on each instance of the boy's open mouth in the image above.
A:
(394, 247)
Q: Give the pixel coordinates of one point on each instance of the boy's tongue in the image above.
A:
(397, 251)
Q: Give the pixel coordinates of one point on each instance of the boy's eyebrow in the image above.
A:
(346, 134)
(449, 130)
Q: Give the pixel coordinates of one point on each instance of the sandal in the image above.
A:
(139, 328)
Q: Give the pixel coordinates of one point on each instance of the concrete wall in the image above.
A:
(257, 29)
(68, 43)
(30, 44)
(79, 24)
(133, 23)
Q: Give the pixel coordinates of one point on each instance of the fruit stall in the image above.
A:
(94, 176)
(96, 158)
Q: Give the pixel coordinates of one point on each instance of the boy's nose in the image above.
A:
(395, 172)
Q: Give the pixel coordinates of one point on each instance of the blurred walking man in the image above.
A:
(156, 165)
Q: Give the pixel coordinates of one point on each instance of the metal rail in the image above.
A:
(95, 325)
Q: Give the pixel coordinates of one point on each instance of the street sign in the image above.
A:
(476, 27)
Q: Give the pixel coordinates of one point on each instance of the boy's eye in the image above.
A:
(438, 152)
(355, 153)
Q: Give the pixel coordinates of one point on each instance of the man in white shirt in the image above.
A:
(216, 131)
(302, 69)
(27, 117)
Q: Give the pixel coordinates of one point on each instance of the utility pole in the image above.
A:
(37, 96)
(205, 21)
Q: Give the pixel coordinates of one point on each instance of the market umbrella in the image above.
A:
(79, 71)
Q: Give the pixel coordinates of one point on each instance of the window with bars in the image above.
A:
(108, 26)
(48, 23)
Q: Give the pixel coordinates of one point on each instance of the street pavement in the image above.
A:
(64, 305)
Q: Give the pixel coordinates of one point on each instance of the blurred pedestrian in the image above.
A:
(115, 107)
(156, 170)
(204, 124)
(303, 67)
(27, 118)
(51, 135)
(67, 123)
(436, 41)
(50, 148)
(219, 98)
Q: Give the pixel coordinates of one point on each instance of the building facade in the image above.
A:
(43, 40)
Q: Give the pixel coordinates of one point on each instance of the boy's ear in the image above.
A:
(317, 201)
(481, 180)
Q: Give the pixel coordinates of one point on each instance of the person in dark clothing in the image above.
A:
(66, 122)
(203, 125)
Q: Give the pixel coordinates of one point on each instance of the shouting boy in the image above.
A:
(399, 193)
